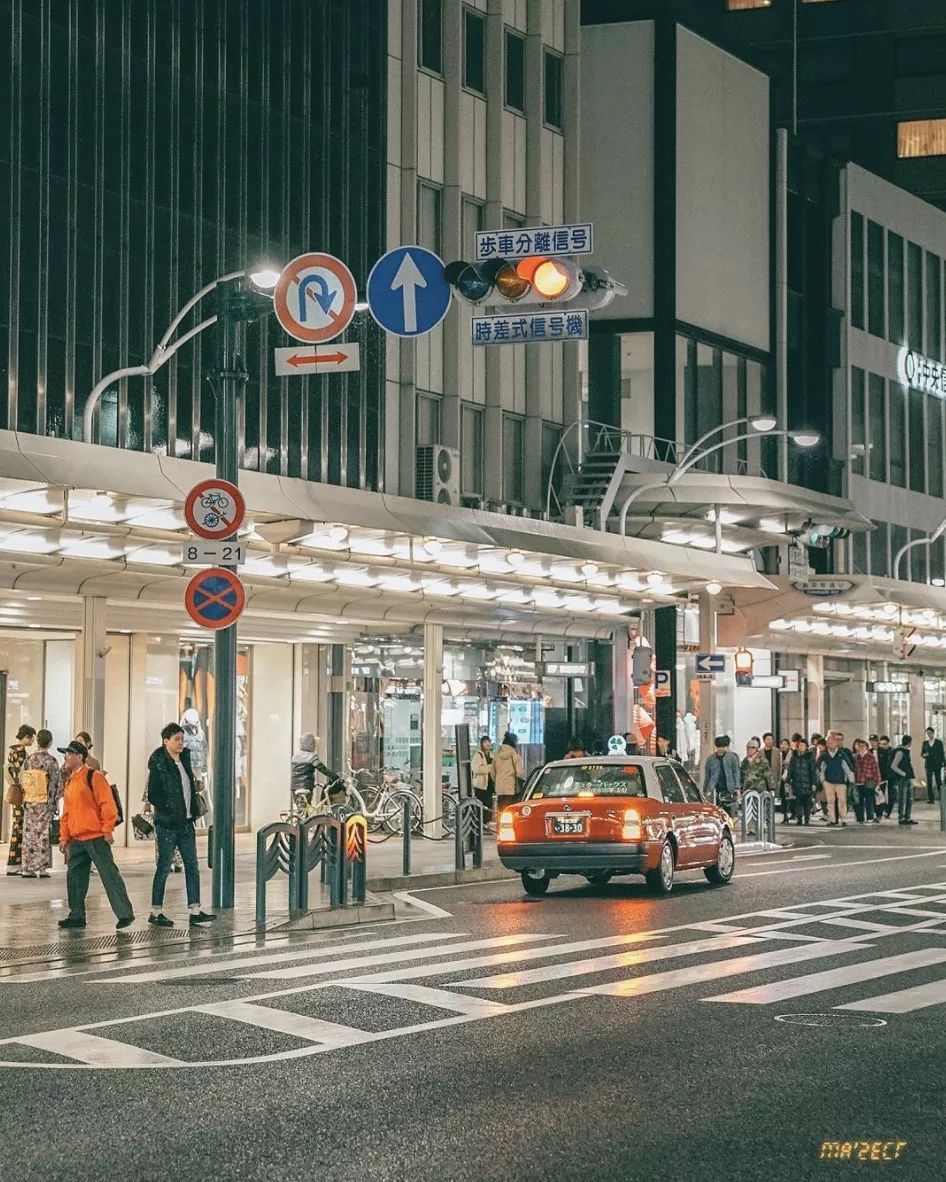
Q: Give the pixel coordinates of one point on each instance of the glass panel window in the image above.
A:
(553, 90)
(709, 408)
(915, 400)
(895, 288)
(474, 50)
(897, 407)
(513, 434)
(429, 219)
(921, 137)
(875, 280)
(551, 434)
(916, 558)
(430, 35)
(933, 320)
(920, 56)
(914, 296)
(515, 71)
(471, 451)
(899, 536)
(471, 214)
(878, 428)
(878, 549)
(428, 420)
(859, 553)
(858, 423)
(934, 447)
(857, 270)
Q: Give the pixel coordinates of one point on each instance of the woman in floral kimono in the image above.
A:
(38, 814)
(16, 757)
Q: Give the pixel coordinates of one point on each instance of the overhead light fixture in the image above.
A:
(805, 438)
(725, 517)
(515, 558)
(938, 582)
(763, 423)
(655, 579)
(589, 569)
(265, 278)
(432, 546)
(713, 588)
(313, 573)
(339, 533)
(398, 582)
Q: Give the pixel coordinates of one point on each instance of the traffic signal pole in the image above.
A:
(228, 380)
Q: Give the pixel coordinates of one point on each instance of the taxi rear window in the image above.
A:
(605, 779)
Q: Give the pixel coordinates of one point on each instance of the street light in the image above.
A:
(928, 541)
(693, 456)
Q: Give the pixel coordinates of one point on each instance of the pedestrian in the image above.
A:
(866, 782)
(16, 757)
(772, 756)
(508, 770)
(884, 755)
(89, 817)
(933, 758)
(42, 787)
(836, 771)
(665, 751)
(722, 778)
(802, 779)
(575, 749)
(173, 794)
(85, 739)
(302, 768)
(481, 768)
(755, 771)
(902, 775)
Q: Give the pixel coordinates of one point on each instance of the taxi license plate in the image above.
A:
(567, 825)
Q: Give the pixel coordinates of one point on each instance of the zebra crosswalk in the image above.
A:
(865, 954)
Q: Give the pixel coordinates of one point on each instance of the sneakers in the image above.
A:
(69, 922)
(200, 918)
(126, 922)
(160, 921)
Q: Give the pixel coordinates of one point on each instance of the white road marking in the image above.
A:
(848, 974)
(422, 904)
(799, 858)
(600, 964)
(841, 865)
(94, 1051)
(286, 1022)
(697, 974)
(933, 993)
(476, 1007)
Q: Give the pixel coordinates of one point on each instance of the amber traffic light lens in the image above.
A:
(510, 284)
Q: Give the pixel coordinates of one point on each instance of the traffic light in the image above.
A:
(537, 279)
(820, 537)
(743, 662)
(642, 665)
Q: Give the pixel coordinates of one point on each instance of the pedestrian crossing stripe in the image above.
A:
(384, 970)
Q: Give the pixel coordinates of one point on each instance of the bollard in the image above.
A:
(406, 823)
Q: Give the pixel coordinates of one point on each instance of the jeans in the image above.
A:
(80, 855)
(168, 840)
(934, 780)
(905, 799)
(891, 796)
(864, 801)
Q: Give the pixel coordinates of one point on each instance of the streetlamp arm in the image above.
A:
(898, 558)
(697, 444)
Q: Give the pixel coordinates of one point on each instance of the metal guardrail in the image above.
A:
(468, 834)
(336, 843)
(758, 809)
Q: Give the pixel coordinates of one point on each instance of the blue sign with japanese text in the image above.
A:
(522, 244)
(529, 327)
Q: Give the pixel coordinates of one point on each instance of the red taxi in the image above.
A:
(614, 814)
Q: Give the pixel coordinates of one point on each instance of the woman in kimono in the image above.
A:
(39, 813)
(16, 757)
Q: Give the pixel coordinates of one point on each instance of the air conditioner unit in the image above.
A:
(438, 475)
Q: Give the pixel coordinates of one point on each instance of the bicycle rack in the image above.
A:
(758, 809)
(319, 843)
(468, 834)
(277, 847)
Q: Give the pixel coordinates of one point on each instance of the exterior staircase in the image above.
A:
(593, 486)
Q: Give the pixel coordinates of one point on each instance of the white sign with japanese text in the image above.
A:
(521, 244)
(529, 327)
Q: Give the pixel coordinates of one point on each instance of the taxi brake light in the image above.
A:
(632, 830)
(506, 830)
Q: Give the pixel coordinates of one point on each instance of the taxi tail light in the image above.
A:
(632, 829)
(506, 830)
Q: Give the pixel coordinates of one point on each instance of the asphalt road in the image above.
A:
(591, 1034)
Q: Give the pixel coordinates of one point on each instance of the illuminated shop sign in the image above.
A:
(921, 373)
(888, 687)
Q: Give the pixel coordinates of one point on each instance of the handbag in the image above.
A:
(201, 806)
(880, 796)
(54, 831)
(142, 827)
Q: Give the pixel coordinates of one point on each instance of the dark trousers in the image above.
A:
(802, 807)
(905, 799)
(169, 839)
(934, 780)
(485, 797)
(892, 789)
(864, 801)
(80, 856)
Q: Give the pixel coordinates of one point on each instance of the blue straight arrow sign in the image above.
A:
(407, 293)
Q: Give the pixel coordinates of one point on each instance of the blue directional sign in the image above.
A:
(711, 663)
(407, 293)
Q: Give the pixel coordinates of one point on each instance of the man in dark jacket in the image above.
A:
(933, 757)
(172, 793)
(902, 776)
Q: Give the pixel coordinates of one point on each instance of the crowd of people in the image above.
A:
(73, 804)
(823, 779)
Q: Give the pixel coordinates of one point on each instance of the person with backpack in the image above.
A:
(177, 804)
(901, 776)
(89, 817)
(41, 784)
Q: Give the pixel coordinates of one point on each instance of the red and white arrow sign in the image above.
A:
(317, 359)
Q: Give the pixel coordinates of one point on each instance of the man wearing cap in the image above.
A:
(722, 777)
(89, 816)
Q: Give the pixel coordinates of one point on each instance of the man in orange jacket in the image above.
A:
(88, 817)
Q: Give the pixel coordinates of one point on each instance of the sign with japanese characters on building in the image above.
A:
(529, 328)
(921, 373)
(523, 243)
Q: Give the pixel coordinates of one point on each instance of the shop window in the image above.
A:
(895, 288)
(933, 306)
(430, 35)
(934, 447)
(553, 90)
(921, 137)
(739, 5)
(515, 71)
(897, 408)
(429, 217)
(513, 438)
(875, 280)
(878, 549)
(914, 296)
(474, 50)
(428, 420)
(915, 400)
(878, 428)
(858, 456)
(857, 270)
(471, 451)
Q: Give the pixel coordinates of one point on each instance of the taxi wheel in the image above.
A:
(660, 880)
(599, 878)
(722, 872)
(536, 882)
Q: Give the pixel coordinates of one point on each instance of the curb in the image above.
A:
(404, 882)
